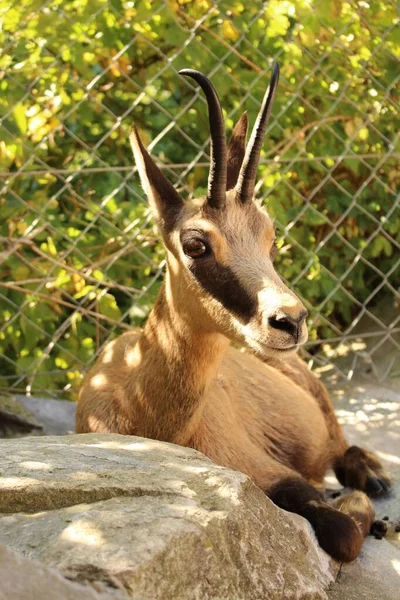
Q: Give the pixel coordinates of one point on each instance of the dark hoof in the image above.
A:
(337, 533)
(362, 470)
(378, 529)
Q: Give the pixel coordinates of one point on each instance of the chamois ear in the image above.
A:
(163, 198)
(236, 151)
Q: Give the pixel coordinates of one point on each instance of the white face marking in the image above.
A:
(250, 259)
(272, 299)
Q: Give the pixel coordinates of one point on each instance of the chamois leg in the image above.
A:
(299, 373)
(340, 530)
(354, 467)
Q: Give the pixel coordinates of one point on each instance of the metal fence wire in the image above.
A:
(80, 258)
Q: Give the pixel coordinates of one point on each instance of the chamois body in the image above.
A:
(241, 412)
(179, 380)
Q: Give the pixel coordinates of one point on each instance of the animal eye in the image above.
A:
(194, 248)
(274, 250)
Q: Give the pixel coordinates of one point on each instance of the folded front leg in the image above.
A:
(338, 533)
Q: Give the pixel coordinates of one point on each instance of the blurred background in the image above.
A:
(80, 258)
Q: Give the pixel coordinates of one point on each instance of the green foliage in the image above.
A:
(74, 75)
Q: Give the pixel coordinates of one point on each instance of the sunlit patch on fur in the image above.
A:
(98, 381)
(107, 355)
(133, 356)
(94, 424)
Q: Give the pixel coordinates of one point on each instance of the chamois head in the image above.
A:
(221, 248)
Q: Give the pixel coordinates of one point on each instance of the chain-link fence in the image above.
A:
(80, 258)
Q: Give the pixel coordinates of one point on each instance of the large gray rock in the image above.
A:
(57, 417)
(16, 420)
(22, 415)
(25, 579)
(140, 518)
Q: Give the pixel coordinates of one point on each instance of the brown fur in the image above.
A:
(270, 421)
(178, 380)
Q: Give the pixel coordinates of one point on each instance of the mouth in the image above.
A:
(282, 350)
(261, 346)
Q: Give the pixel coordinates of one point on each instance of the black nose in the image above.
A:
(284, 322)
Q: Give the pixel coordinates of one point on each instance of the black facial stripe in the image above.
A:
(223, 285)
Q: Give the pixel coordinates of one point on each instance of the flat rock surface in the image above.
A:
(39, 582)
(131, 517)
(370, 414)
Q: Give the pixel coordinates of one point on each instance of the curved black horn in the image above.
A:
(248, 172)
(216, 194)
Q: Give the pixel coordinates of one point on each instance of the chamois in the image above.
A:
(260, 412)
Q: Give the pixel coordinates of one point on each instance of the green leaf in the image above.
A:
(108, 307)
(20, 118)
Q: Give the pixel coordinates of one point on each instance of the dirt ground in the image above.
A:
(370, 414)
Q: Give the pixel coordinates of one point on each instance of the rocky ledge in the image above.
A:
(109, 516)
